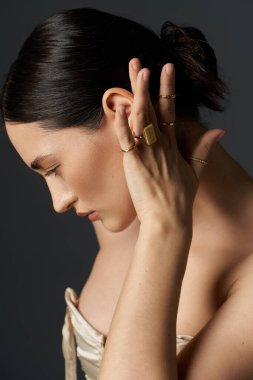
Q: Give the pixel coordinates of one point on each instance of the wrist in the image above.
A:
(171, 244)
(164, 228)
(161, 235)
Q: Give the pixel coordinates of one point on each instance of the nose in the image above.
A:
(62, 199)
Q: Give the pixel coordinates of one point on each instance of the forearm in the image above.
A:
(141, 343)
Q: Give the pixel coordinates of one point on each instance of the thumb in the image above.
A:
(203, 148)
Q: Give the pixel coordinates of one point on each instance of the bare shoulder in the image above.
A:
(225, 343)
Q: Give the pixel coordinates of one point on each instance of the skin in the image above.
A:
(221, 245)
(224, 194)
(90, 175)
(145, 339)
(222, 238)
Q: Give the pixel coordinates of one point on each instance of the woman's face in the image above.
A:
(89, 174)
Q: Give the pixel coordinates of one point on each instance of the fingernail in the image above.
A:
(145, 75)
(220, 135)
(121, 110)
(134, 65)
(167, 69)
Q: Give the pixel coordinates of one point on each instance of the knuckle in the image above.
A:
(140, 113)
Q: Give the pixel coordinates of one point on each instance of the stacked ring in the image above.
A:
(169, 96)
(149, 136)
(168, 124)
(149, 131)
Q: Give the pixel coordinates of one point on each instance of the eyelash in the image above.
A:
(51, 171)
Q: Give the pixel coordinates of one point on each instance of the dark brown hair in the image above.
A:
(73, 57)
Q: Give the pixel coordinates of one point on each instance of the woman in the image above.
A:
(173, 209)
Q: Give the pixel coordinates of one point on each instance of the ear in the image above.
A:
(112, 98)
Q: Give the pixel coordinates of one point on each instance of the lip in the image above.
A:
(84, 213)
(93, 216)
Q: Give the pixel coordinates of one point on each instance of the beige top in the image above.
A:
(81, 339)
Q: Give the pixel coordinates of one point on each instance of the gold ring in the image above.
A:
(169, 96)
(203, 162)
(168, 124)
(137, 137)
(149, 134)
(130, 148)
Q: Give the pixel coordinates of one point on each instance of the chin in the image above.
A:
(119, 224)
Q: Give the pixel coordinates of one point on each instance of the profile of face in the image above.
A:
(89, 174)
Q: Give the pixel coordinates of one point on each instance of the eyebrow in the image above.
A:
(36, 164)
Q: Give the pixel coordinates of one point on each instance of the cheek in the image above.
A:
(85, 180)
(117, 208)
(100, 184)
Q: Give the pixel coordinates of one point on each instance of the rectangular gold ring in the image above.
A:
(149, 134)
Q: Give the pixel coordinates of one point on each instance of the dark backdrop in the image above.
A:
(42, 252)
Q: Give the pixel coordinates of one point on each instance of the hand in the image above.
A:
(161, 183)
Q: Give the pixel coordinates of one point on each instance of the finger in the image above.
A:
(142, 109)
(134, 68)
(140, 113)
(166, 107)
(203, 148)
(123, 131)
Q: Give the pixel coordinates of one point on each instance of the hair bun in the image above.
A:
(196, 63)
(182, 40)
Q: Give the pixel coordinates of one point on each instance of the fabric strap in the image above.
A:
(69, 347)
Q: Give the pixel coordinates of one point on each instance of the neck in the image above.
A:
(225, 188)
(224, 200)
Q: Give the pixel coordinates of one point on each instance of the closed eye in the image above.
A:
(51, 171)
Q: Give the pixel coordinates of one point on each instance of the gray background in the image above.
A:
(43, 252)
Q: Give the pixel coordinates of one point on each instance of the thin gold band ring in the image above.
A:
(168, 96)
(203, 162)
